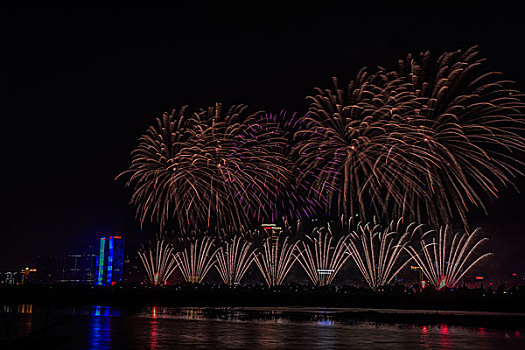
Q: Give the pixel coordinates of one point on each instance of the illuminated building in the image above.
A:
(273, 231)
(110, 260)
(79, 268)
(194, 279)
(24, 276)
(423, 283)
(10, 278)
(27, 275)
(418, 269)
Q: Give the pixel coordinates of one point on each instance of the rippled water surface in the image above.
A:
(102, 327)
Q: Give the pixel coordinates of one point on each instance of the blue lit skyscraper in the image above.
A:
(110, 260)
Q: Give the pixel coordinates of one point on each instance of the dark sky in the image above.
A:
(78, 87)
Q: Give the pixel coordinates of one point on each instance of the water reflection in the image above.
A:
(103, 327)
(105, 311)
(444, 338)
(157, 312)
(325, 322)
(25, 309)
(20, 323)
(100, 327)
(193, 312)
(424, 339)
(153, 334)
(18, 309)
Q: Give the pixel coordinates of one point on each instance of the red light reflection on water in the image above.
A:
(424, 340)
(517, 334)
(481, 330)
(153, 335)
(444, 338)
(154, 312)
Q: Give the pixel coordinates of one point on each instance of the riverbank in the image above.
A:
(462, 299)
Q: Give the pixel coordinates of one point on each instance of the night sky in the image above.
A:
(78, 88)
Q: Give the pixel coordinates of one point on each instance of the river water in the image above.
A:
(101, 327)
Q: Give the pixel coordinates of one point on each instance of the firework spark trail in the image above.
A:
(377, 251)
(211, 168)
(275, 259)
(320, 259)
(347, 141)
(159, 262)
(289, 199)
(445, 264)
(422, 142)
(196, 260)
(470, 121)
(233, 260)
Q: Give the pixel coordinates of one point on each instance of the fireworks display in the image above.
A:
(423, 142)
(377, 252)
(212, 168)
(159, 262)
(444, 263)
(196, 260)
(426, 142)
(320, 259)
(233, 260)
(275, 259)
(289, 201)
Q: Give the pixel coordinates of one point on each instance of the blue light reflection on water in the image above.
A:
(325, 322)
(100, 327)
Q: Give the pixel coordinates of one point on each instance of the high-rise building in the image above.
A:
(79, 268)
(10, 278)
(110, 260)
(27, 275)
